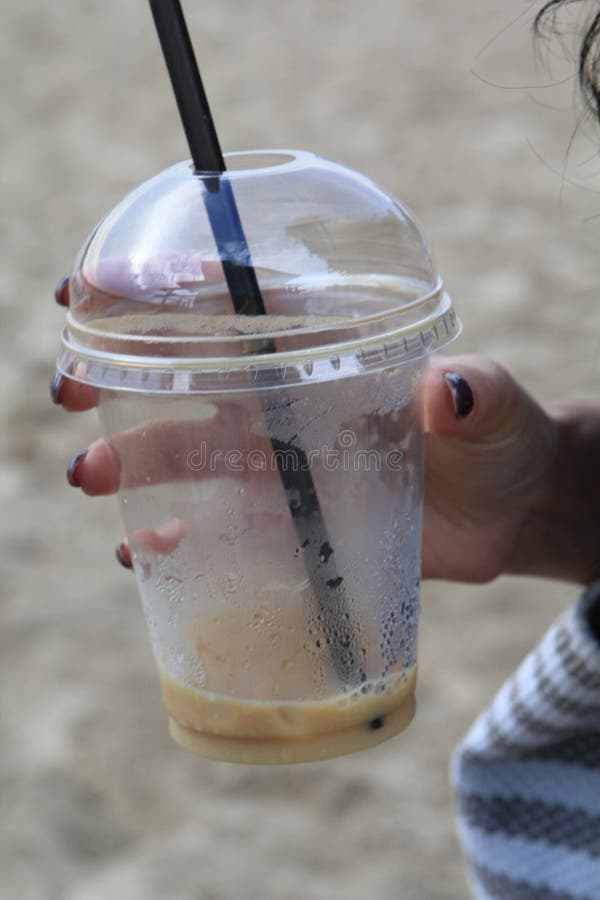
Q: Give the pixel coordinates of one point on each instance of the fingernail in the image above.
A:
(72, 476)
(462, 395)
(55, 387)
(61, 294)
(123, 554)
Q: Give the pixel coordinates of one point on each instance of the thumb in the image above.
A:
(473, 398)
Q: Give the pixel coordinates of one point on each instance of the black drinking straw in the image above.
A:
(338, 631)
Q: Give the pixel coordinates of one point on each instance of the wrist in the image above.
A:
(560, 532)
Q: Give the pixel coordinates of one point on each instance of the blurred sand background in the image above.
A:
(444, 105)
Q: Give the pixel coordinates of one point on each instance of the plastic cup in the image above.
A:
(273, 645)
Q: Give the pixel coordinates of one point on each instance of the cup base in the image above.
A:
(299, 750)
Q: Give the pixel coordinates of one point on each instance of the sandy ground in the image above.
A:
(450, 113)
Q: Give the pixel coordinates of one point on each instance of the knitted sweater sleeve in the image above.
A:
(527, 775)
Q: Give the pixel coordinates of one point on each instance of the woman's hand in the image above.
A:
(509, 486)
(489, 451)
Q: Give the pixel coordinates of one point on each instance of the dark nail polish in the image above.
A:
(376, 724)
(61, 294)
(55, 387)
(72, 477)
(462, 395)
(123, 554)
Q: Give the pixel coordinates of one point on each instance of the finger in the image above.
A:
(73, 395)
(133, 285)
(172, 450)
(61, 292)
(217, 442)
(499, 447)
(472, 398)
(95, 470)
(123, 554)
(139, 278)
(163, 541)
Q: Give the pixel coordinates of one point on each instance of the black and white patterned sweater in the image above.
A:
(527, 775)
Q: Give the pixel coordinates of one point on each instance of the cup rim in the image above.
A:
(121, 372)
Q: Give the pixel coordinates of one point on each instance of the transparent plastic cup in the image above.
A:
(270, 466)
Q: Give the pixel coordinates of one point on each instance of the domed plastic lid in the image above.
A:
(344, 271)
